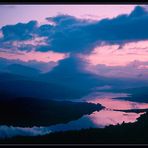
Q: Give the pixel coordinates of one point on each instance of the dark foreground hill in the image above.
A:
(41, 112)
(129, 133)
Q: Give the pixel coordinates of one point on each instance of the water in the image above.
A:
(98, 119)
(107, 116)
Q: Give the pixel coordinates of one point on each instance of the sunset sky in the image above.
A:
(111, 39)
(71, 67)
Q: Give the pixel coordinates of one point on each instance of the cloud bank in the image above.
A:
(70, 34)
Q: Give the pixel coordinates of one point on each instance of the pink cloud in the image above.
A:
(1, 34)
(129, 60)
(114, 55)
(135, 69)
(34, 55)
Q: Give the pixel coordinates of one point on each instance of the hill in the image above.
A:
(26, 112)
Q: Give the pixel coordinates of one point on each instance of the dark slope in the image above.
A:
(38, 112)
(136, 94)
(27, 87)
(22, 70)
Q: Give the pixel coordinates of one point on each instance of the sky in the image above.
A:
(112, 40)
(12, 14)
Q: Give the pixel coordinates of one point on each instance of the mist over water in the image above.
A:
(11, 131)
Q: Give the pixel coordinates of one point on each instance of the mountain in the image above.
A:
(22, 70)
(65, 81)
(28, 87)
(4, 76)
(137, 94)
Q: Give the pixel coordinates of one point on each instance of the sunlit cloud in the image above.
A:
(116, 55)
(129, 60)
(1, 34)
(34, 55)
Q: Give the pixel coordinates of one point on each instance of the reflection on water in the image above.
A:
(102, 95)
(109, 117)
(97, 119)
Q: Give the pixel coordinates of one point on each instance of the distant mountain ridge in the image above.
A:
(22, 70)
(65, 81)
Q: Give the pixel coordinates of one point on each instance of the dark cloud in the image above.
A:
(73, 35)
(69, 73)
(45, 30)
(20, 31)
(43, 48)
(138, 12)
(69, 66)
(63, 21)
